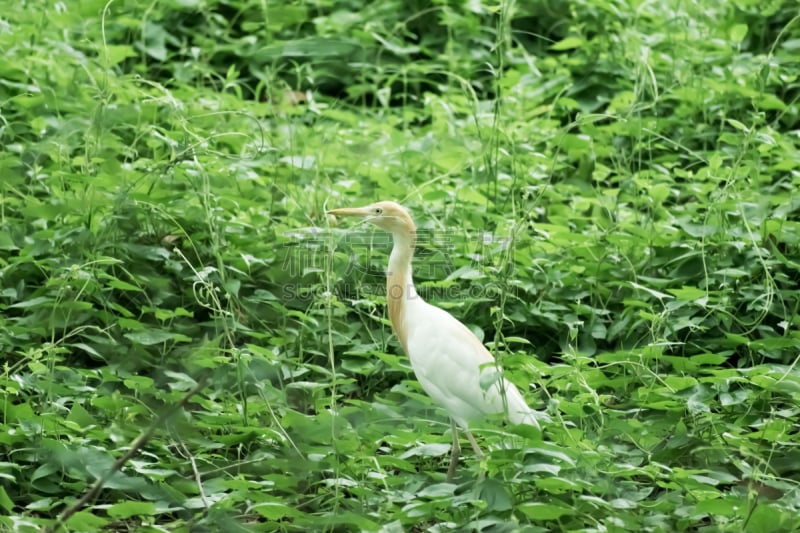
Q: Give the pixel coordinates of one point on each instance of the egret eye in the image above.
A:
(378, 211)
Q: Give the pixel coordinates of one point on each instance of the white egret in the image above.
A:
(447, 358)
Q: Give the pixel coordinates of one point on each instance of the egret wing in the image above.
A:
(449, 361)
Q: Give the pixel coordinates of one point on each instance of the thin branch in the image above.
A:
(135, 446)
(197, 477)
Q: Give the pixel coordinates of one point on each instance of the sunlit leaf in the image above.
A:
(567, 43)
(5, 501)
(125, 510)
(737, 32)
(86, 521)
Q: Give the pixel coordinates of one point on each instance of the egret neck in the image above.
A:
(399, 281)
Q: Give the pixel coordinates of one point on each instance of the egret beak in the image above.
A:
(350, 212)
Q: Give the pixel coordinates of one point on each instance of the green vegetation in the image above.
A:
(609, 195)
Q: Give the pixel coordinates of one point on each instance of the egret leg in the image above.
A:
(478, 452)
(475, 447)
(455, 452)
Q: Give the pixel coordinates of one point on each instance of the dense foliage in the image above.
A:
(606, 193)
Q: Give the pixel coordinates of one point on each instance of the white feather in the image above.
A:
(449, 362)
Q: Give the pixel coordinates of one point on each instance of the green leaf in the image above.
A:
(544, 511)
(568, 43)
(427, 450)
(5, 501)
(86, 521)
(359, 366)
(80, 416)
(495, 495)
(167, 314)
(33, 302)
(129, 323)
(276, 510)
(88, 349)
(737, 32)
(139, 383)
(775, 343)
(128, 509)
(123, 285)
(622, 503)
(720, 507)
(736, 398)
(6, 242)
(556, 485)
(44, 471)
(738, 125)
(155, 41)
(287, 16)
(679, 383)
(688, 293)
(116, 53)
(43, 504)
(438, 490)
(709, 359)
(150, 337)
(769, 102)
(657, 294)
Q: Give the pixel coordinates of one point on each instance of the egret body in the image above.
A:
(447, 358)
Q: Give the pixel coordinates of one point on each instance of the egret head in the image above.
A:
(389, 216)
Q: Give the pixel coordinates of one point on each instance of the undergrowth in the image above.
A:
(605, 193)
